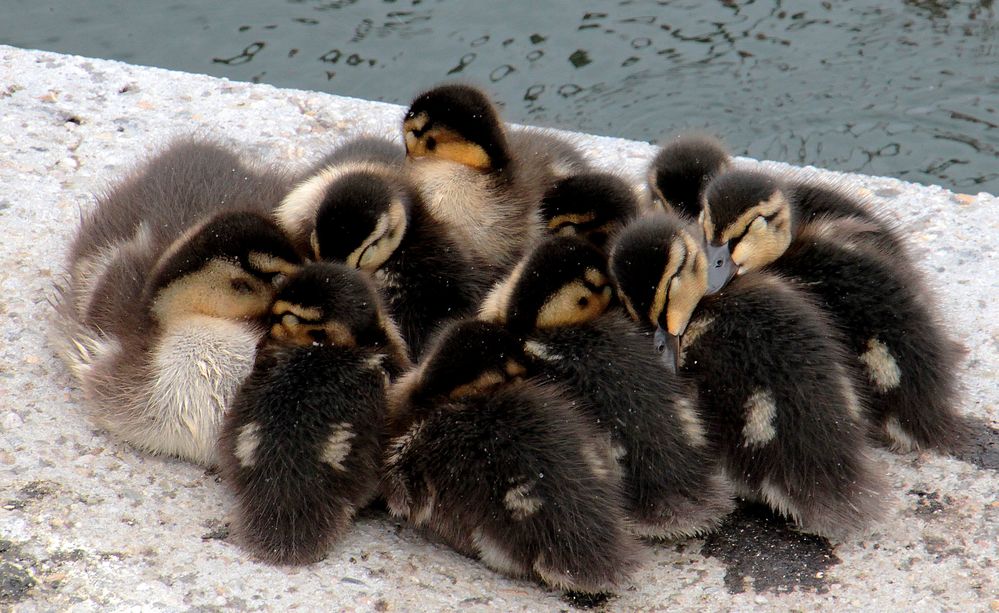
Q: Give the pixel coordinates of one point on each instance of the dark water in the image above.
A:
(900, 88)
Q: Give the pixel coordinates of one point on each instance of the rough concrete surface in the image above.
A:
(87, 523)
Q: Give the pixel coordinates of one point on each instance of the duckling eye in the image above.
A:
(431, 143)
(583, 302)
(241, 286)
(318, 336)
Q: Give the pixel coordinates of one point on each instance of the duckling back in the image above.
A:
(301, 447)
(781, 405)
(673, 484)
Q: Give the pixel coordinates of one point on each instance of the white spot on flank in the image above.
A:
(690, 423)
(541, 351)
(519, 503)
(850, 397)
(494, 556)
(247, 442)
(900, 439)
(760, 414)
(882, 369)
(593, 459)
(337, 446)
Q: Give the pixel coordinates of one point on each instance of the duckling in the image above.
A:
(485, 185)
(681, 170)
(302, 447)
(163, 347)
(504, 469)
(593, 205)
(777, 395)
(673, 485)
(874, 295)
(360, 209)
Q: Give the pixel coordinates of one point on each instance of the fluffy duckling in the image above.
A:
(681, 170)
(592, 205)
(874, 295)
(777, 397)
(504, 469)
(302, 447)
(556, 302)
(162, 347)
(360, 209)
(484, 184)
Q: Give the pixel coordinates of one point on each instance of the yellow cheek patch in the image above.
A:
(292, 330)
(767, 208)
(209, 291)
(283, 307)
(573, 304)
(570, 219)
(481, 384)
(271, 265)
(676, 252)
(764, 242)
(464, 153)
(513, 369)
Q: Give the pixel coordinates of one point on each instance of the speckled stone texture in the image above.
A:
(87, 523)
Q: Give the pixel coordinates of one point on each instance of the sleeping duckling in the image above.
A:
(776, 393)
(163, 347)
(681, 170)
(556, 301)
(360, 209)
(504, 469)
(485, 185)
(302, 447)
(872, 292)
(592, 205)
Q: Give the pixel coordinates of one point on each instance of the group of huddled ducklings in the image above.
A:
(624, 377)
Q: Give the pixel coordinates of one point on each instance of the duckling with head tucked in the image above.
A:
(681, 170)
(168, 278)
(556, 302)
(873, 293)
(302, 447)
(504, 469)
(777, 396)
(358, 208)
(592, 205)
(484, 184)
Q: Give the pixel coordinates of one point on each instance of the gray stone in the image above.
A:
(113, 529)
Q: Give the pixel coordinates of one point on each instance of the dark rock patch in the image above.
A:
(15, 580)
(982, 447)
(929, 504)
(753, 542)
(217, 531)
(584, 600)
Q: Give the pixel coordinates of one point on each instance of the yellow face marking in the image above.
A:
(595, 277)
(416, 123)
(282, 307)
(569, 219)
(573, 304)
(379, 246)
(763, 209)
(270, 264)
(513, 369)
(688, 287)
(219, 289)
(291, 329)
(707, 225)
(482, 383)
(676, 252)
(447, 145)
(764, 241)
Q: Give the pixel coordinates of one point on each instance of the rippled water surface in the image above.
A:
(901, 88)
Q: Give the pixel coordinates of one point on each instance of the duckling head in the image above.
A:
(561, 282)
(458, 123)
(746, 218)
(661, 274)
(361, 218)
(592, 205)
(469, 358)
(227, 267)
(327, 303)
(682, 168)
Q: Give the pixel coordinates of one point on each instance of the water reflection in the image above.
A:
(905, 89)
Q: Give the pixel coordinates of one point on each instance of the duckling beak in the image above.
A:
(668, 347)
(721, 268)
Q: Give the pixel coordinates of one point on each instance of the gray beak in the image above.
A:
(668, 348)
(721, 268)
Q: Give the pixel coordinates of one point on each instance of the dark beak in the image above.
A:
(668, 348)
(721, 268)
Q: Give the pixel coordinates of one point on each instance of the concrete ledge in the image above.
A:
(88, 523)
